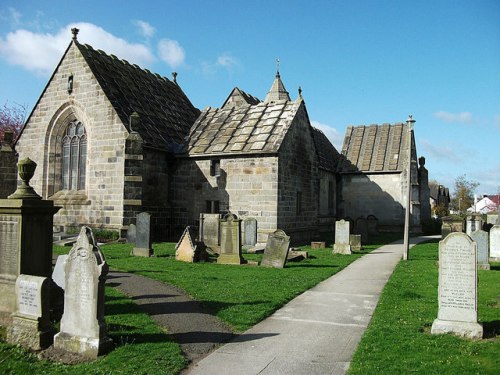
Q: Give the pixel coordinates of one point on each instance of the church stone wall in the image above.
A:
(101, 203)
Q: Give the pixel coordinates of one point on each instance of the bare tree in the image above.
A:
(12, 117)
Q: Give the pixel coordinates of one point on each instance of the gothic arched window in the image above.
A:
(74, 155)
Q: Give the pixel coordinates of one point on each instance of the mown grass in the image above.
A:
(398, 339)
(141, 347)
(240, 295)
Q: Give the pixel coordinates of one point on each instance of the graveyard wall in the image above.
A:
(100, 204)
(298, 181)
(8, 170)
(247, 186)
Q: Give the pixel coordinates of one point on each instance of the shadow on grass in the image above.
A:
(491, 329)
(495, 267)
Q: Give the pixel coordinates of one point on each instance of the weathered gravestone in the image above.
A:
(31, 325)
(83, 330)
(361, 227)
(495, 243)
(372, 224)
(276, 251)
(355, 242)
(473, 222)
(58, 275)
(250, 231)
(210, 231)
(446, 229)
(456, 223)
(341, 245)
(131, 233)
(457, 294)
(25, 238)
(143, 246)
(230, 241)
(480, 237)
(188, 249)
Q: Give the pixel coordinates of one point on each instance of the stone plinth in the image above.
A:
(25, 245)
(457, 294)
(83, 330)
(31, 327)
(230, 241)
(342, 245)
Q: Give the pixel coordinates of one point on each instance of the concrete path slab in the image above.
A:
(315, 333)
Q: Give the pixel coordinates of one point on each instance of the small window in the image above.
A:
(298, 207)
(215, 168)
(70, 84)
(212, 207)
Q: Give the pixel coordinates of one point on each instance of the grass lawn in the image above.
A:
(141, 347)
(240, 295)
(398, 340)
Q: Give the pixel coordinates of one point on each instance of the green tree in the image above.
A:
(463, 196)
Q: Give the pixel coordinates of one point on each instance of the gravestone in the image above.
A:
(83, 330)
(230, 241)
(372, 225)
(276, 251)
(495, 243)
(480, 237)
(446, 229)
(456, 223)
(355, 242)
(250, 230)
(58, 275)
(318, 245)
(31, 327)
(210, 231)
(473, 222)
(131, 233)
(341, 245)
(188, 249)
(296, 255)
(361, 227)
(25, 238)
(457, 293)
(143, 246)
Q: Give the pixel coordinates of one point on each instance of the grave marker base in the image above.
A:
(84, 346)
(142, 252)
(463, 329)
(28, 333)
(342, 249)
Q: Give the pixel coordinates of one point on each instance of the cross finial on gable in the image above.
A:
(74, 31)
(277, 66)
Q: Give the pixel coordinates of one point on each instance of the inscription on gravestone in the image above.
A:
(275, 254)
(9, 247)
(28, 298)
(230, 241)
(250, 226)
(457, 293)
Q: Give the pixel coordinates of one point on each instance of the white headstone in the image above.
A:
(495, 243)
(58, 275)
(83, 329)
(342, 243)
(457, 294)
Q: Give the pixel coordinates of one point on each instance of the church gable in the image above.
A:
(238, 97)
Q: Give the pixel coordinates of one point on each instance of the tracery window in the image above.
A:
(74, 155)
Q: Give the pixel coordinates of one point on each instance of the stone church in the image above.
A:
(112, 140)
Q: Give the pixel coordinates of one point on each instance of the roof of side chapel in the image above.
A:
(166, 113)
(374, 148)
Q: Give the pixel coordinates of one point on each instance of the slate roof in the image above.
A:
(165, 111)
(328, 156)
(239, 97)
(374, 148)
(259, 128)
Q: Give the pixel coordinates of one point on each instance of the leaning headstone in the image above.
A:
(372, 224)
(230, 241)
(143, 246)
(31, 325)
(480, 237)
(131, 233)
(341, 245)
(83, 330)
(355, 242)
(361, 227)
(495, 243)
(188, 249)
(275, 254)
(250, 231)
(210, 231)
(457, 293)
(58, 275)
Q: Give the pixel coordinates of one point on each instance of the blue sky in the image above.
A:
(358, 62)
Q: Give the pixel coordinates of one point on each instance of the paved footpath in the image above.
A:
(315, 333)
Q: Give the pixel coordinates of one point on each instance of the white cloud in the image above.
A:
(171, 52)
(145, 28)
(446, 152)
(15, 16)
(40, 52)
(465, 117)
(331, 133)
(226, 60)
